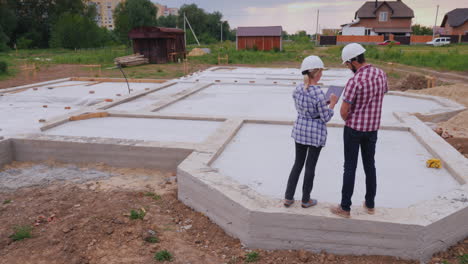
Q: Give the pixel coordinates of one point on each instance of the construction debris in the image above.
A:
(434, 163)
(199, 52)
(131, 60)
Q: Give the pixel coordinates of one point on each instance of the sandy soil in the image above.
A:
(454, 130)
(89, 223)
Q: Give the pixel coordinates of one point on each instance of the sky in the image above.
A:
(295, 15)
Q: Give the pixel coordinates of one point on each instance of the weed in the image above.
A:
(153, 195)
(163, 255)
(7, 201)
(252, 257)
(137, 214)
(22, 232)
(463, 259)
(152, 239)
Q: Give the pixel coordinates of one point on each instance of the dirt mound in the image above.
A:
(456, 92)
(413, 82)
(198, 52)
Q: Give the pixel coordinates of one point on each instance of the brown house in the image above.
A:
(260, 38)
(455, 22)
(381, 18)
(159, 45)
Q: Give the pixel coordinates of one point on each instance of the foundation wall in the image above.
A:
(95, 152)
(231, 216)
(6, 152)
(444, 233)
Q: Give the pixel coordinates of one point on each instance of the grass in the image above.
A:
(21, 232)
(252, 257)
(291, 52)
(153, 195)
(137, 214)
(163, 255)
(7, 201)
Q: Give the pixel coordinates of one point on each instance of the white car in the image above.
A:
(439, 41)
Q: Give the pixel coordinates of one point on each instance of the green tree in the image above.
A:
(300, 37)
(35, 18)
(421, 30)
(131, 14)
(169, 21)
(75, 31)
(207, 26)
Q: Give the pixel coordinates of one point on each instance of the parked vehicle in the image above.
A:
(439, 41)
(389, 42)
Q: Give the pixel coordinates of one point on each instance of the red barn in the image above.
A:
(259, 38)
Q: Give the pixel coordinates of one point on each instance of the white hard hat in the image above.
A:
(311, 62)
(351, 51)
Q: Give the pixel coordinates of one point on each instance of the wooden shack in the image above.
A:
(259, 38)
(158, 44)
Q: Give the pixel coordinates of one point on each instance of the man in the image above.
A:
(361, 110)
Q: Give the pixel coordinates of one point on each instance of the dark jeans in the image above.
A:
(312, 154)
(353, 140)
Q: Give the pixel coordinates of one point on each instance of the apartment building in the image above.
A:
(105, 12)
(165, 11)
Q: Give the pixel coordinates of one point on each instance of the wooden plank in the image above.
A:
(91, 79)
(88, 116)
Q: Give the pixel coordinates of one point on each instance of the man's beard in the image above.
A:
(353, 68)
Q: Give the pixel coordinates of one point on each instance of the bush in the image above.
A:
(3, 67)
(24, 43)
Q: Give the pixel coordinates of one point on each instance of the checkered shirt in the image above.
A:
(312, 115)
(365, 92)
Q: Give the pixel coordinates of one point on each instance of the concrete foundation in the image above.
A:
(227, 132)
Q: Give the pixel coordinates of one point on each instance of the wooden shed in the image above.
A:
(158, 44)
(259, 38)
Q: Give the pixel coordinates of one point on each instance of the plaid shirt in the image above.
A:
(312, 114)
(365, 92)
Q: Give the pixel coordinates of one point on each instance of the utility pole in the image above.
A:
(435, 24)
(221, 31)
(185, 32)
(316, 31)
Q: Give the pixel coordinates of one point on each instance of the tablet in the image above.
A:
(332, 89)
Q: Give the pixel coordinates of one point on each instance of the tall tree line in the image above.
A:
(72, 23)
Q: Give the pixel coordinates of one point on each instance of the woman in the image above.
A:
(310, 131)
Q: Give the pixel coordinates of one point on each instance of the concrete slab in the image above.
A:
(139, 128)
(266, 153)
(275, 102)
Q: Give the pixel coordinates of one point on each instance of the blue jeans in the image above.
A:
(353, 140)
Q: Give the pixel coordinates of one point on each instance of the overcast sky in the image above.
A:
(302, 15)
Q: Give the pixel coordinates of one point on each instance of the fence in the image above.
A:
(361, 39)
(327, 40)
(404, 40)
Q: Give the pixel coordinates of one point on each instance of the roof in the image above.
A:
(393, 30)
(456, 17)
(154, 32)
(399, 9)
(274, 31)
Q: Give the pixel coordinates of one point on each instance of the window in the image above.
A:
(367, 31)
(383, 16)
